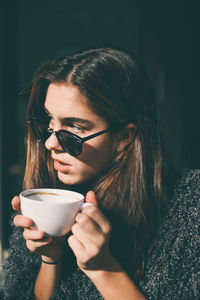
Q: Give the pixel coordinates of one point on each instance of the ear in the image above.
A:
(126, 136)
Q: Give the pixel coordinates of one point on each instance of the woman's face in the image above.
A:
(68, 109)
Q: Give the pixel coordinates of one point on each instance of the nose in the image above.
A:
(52, 143)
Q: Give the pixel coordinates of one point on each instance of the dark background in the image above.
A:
(164, 34)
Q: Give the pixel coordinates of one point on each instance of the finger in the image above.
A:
(91, 197)
(16, 204)
(87, 224)
(89, 239)
(34, 245)
(21, 221)
(76, 247)
(97, 216)
(29, 234)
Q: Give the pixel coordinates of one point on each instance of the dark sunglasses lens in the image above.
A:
(69, 143)
(40, 131)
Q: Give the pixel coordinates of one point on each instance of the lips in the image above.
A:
(60, 166)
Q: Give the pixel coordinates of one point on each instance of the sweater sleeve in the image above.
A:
(173, 269)
(19, 270)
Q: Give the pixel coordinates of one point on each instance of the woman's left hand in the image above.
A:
(90, 237)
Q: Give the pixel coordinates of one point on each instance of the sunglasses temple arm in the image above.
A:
(94, 135)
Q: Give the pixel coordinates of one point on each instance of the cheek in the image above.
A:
(96, 154)
(94, 159)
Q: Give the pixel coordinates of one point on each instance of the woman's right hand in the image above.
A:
(48, 247)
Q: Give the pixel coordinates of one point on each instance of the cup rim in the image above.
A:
(25, 193)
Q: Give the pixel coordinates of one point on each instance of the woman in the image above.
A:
(93, 129)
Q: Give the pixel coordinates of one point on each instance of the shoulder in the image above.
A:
(183, 213)
(181, 222)
(184, 207)
(188, 185)
(172, 269)
(184, 204)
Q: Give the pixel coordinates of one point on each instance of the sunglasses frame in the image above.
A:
(77, 138)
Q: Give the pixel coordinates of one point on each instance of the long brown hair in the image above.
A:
(117, 89)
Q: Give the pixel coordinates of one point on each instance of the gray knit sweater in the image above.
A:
(172, 271)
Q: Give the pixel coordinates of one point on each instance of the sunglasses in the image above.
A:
(70, 142)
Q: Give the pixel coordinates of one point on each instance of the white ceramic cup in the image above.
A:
(52, 210)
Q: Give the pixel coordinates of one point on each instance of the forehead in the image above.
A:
(63, 101)
(61, 97)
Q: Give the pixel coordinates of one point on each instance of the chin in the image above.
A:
(69, 179)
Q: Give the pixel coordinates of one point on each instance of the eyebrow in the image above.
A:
(73, 119)
(77, 120)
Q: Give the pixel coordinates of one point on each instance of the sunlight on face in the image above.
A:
(68, 109)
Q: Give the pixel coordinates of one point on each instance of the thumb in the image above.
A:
(91, 198)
